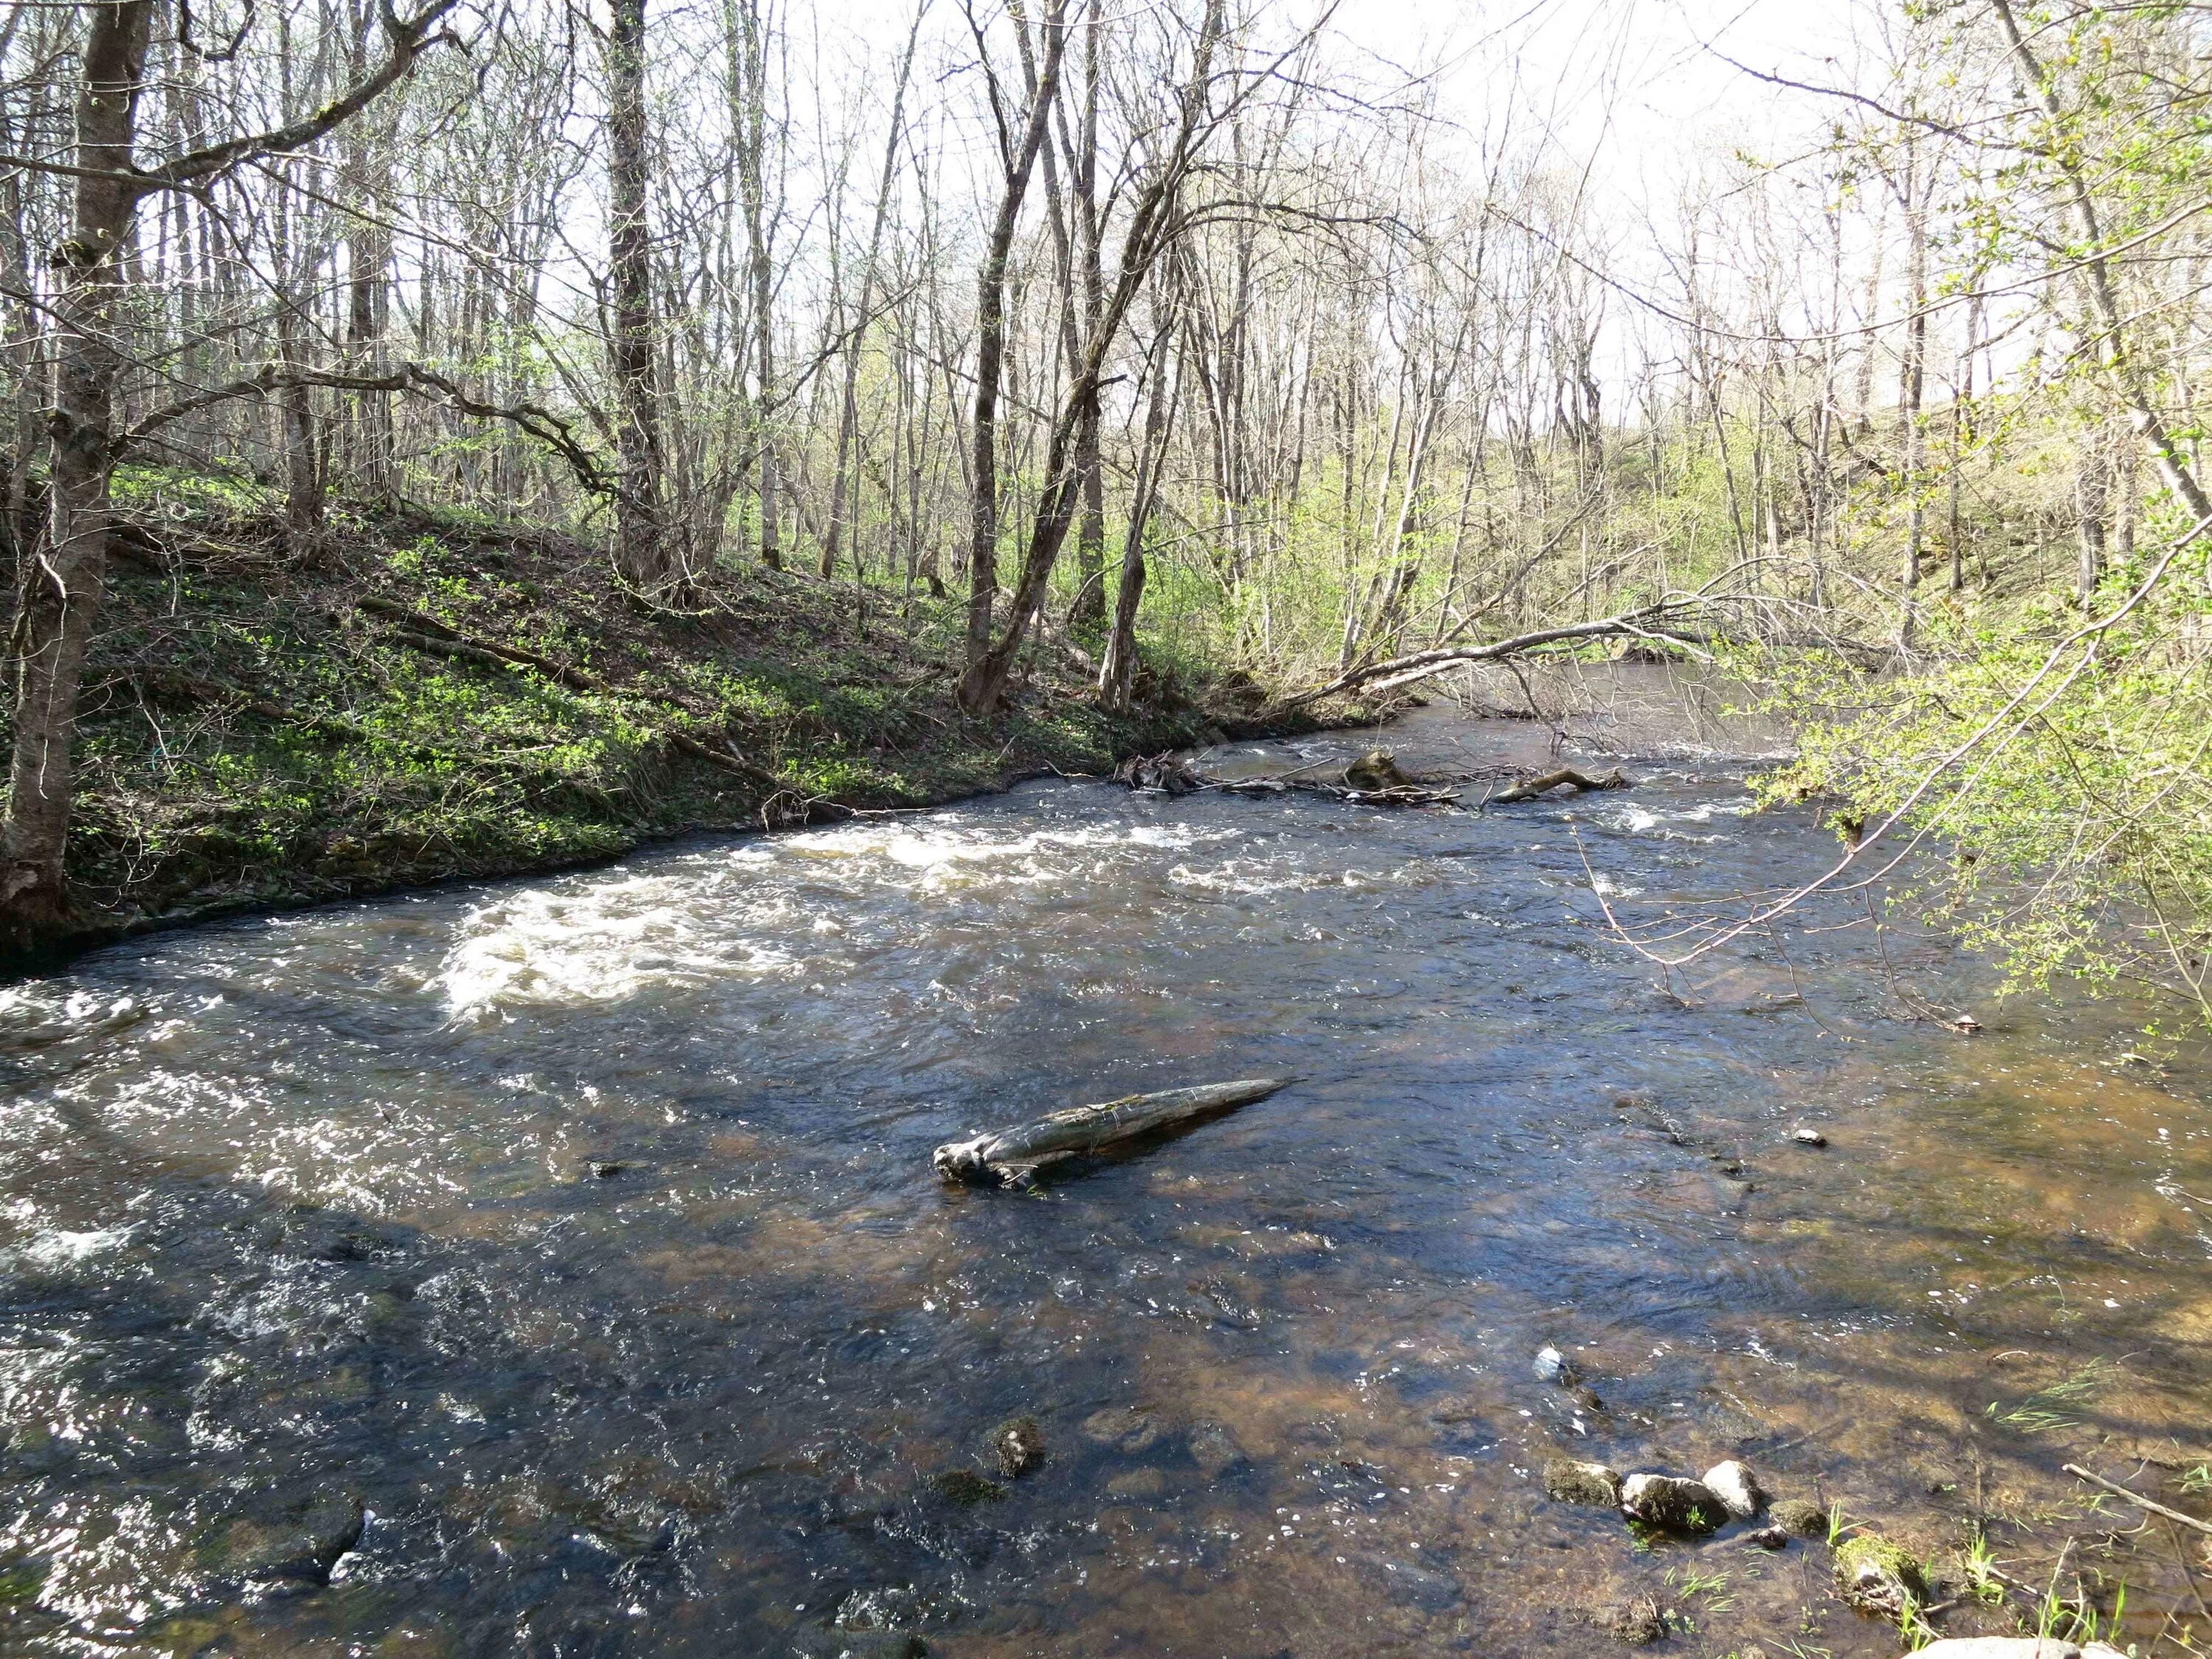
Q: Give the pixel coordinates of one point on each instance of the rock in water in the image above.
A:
(965, 1486)
(1638, 1623)
(1877, 1576)
(298, 1543)
(1805, 1519)
(2010, 1647)
(1375, 769)
(1214, 1450)
(1668, 1501)
(1808, 1137)
(1737, 1488)
(1591, 1484)
(858, 1645)
(1018, 1444)
(1552, 1366)
(1769, 1538)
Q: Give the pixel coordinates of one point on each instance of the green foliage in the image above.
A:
(250, 741)
(2060, 786)
(2053, 1407)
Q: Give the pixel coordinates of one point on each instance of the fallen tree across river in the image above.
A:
(1012, 1157)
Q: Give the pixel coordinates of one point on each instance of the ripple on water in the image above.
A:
(580, 1231)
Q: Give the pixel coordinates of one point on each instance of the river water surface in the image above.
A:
(556, 1268)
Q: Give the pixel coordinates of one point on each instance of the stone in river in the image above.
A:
(1807, 1520)
(1808, 1137)
(1877, 1576)
(1737, 1488)
(1552, 1366)
(1638, 1623)
(1126, 1428)
(2010, 1647)
(858, 1645)
(966, 1486)
(1137, 1484)
(296, 1544)
(1666, 1500)
(1018, 1445)
(1214, 1450)
(1590, 1484)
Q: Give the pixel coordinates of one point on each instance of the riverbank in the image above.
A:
(419, 698)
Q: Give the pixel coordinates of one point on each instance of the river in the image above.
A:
(555, 1267)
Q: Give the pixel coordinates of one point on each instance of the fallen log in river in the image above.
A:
(1530, 788)
(1012, 1157)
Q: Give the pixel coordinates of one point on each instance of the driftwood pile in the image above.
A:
(1373, 780)
(1011, 1158)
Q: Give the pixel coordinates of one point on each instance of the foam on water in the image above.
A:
(57, 1247)
(737, 914)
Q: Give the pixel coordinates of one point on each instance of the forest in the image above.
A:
(1015, 828)
(465, 440)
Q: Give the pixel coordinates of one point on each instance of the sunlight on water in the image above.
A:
(563, 1258)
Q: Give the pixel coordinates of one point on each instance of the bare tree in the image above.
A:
(63, 583)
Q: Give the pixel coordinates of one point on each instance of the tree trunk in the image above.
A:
(848, 413)
(641, 545)
(303, 467)
(2091, 478)
(368, 259)
(62, 587)
(1912, 441)
(991, 346)
(1151, 225)
(1090, 613)
(1117, 673)
(750, 45)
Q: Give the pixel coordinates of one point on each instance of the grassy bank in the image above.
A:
(416, 698)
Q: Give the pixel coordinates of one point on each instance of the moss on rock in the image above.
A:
(1878, 1577)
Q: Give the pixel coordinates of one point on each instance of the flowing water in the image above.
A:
(556, 1268)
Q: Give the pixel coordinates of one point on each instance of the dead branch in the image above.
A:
(1531, 787)
(2138, 1498)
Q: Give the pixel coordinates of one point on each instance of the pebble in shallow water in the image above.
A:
(1552, 1366)
(1801, 1516)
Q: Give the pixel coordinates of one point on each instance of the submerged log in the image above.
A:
(1012, 1157)
(1533, 787)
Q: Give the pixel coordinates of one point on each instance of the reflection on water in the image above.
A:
(557, 1269)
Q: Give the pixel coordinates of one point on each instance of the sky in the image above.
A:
(1642, 88)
